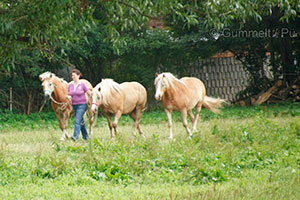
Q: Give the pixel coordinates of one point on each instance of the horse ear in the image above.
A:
(156, 74)
(51, 75)
(40, 77)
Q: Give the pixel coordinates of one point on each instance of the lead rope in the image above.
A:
(63, 105)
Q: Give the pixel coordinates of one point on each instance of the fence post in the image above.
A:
(10, 99)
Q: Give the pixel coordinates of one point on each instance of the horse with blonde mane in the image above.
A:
(183, 95)
(117, 99)
(56, 89)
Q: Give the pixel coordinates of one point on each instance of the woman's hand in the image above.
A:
(69, 97)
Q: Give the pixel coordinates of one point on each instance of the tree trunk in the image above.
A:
(287, 59)
(29, 105)
(273, 61)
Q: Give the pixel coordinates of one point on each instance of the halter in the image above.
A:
(48, 91)
(64, 105)
(98, 104)
(55, 86)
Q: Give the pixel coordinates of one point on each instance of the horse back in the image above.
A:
(194, 85)
(185, 94)
(87, 83)
(134, 90)
(134, 94)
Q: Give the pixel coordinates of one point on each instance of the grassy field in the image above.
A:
(243, 153)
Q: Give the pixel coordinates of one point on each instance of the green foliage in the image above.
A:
(104, 38)
(41, 25)
(9, 120)
(242, 148)
(27, 122)
(47, 25)
(266, 49)
(220, 14)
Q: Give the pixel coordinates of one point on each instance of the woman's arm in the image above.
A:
(86, 89)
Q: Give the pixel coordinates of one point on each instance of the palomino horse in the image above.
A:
(57, 90)
(183, 95)
(117, 99)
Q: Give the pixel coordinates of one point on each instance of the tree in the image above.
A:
(45, 35)
(270, 44)
(45, 25)
(221, 13)
(231, 24)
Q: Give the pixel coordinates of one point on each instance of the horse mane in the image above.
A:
(48, 75)
(108, 88)
(169, 77)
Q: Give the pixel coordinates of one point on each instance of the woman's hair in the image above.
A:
(76, 71)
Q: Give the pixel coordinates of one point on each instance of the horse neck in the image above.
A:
(175, 88)
(60, 91)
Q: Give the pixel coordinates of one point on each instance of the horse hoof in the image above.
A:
(62, 139)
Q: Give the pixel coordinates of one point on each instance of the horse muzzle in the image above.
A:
(47, 95)
(94, 108)
(158, 97)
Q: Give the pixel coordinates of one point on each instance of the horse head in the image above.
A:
(161, 84)
(47, 83)
(97, 99)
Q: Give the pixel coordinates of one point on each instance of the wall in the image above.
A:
(223, 77)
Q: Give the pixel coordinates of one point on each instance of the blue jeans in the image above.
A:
(79, 111)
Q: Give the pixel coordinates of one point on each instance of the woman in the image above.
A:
(77, 90)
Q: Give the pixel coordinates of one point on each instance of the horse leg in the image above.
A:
(66, 117)
(91, 119)
(108, 117)
(137, 120)
(185, 123)
(198, 109)
(133, 116)
(191, 115)
(61, 125)
(169, 115)
(116, 120)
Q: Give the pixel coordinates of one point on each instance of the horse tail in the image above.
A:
(145, 107)
(213, 104)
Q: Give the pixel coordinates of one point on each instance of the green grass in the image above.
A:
(243, 153)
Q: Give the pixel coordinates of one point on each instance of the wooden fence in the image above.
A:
(223, 77)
